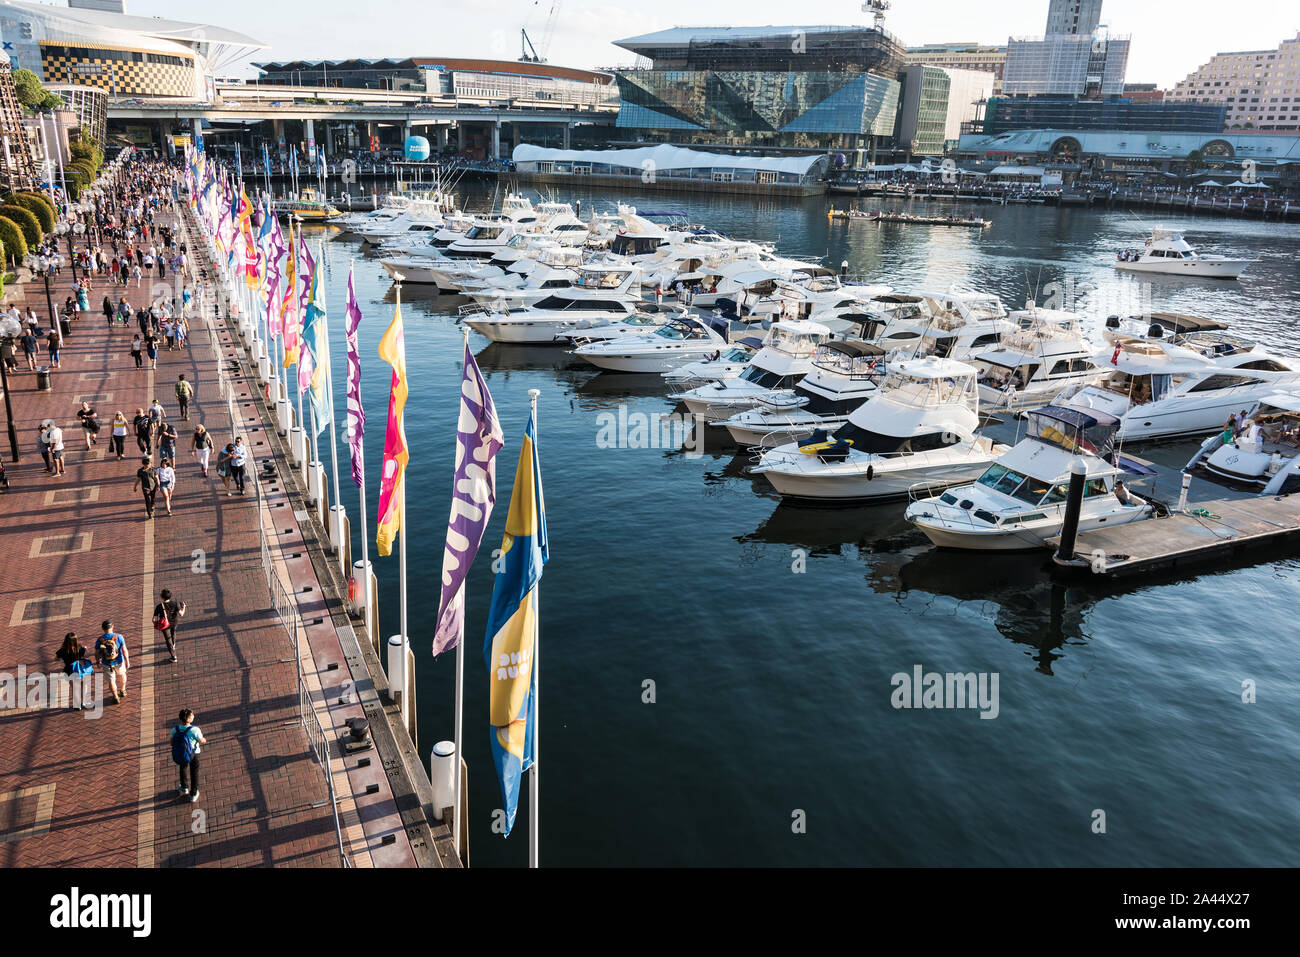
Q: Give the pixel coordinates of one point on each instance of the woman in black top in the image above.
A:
(75, 664)
(108, 310)
(89, 424)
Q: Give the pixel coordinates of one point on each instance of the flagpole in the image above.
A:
(329, 391)
(533, 790)
(460, 693)
(401, 558)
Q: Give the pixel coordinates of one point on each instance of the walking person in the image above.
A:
(53, 345)
(223, 466)
(238, 458)
(167, 439)
(109, 311)
(146, 481)
(76, 665)
(143, 431)
(137, 346)
(186, 741)
(117, 432)
(202, 447)
(89, 424)
(166, 615)
(151, 349)
(111, 653)
(28, 342)
(184, 392)
(167, 482)
(52, 436)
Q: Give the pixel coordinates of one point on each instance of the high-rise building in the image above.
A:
(1076, 57)
(935, 104)
(1073, 17)
(962, 56)
(1260, 88)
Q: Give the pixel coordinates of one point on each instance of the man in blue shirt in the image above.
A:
(238, 459)
(110, 651)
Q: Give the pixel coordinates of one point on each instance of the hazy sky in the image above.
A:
(1169, 38)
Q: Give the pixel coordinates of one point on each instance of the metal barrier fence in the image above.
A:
(282, 601)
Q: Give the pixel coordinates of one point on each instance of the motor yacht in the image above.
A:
(918, 427)
(674, 344)
(602, 294)
(724, 364)
(786, 357)
(1166, 251)
(1018, 503)
(1161, 387)
(845, 373)
(1044, 355)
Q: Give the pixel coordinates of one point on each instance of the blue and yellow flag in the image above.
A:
(511, 639)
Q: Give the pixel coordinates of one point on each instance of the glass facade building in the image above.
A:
(1003, 114)
(765, 86)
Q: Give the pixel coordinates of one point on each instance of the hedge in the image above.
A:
(26, 222)
(12, 241)
(38, 206)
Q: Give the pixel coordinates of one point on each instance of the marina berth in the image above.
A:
(1262, 455)
(786, 357)
(845, 373)
(724, 364)
(1159, 388)
(1167, 252)
(601, 294)
(1019, 502)
(919, 427)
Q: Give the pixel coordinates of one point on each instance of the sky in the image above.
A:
(1169, 39)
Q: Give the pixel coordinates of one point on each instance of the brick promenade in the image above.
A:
(76, 549)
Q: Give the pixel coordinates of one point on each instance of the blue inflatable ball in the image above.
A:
(416, 148)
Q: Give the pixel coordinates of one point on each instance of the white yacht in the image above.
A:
(1034, 362)
(1162, 387)
(724, 364)
(919, 427)
(1265, 458)
(648, 317)
(526, 282)
(420, 220)
(465, 257)
(786, 357)
(1019, 501)
(673, 344)
(602, 294)
(845, 373)
(1166, 251)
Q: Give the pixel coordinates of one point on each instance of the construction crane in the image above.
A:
(877, 9)
(549, 32)
(526, 44)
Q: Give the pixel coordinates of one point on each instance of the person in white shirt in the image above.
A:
(54, 439)
(167, 482)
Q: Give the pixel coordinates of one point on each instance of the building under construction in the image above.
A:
(17, 168)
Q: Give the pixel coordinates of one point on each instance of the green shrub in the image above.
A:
(12, 241)
(38, 206)
(26, 222)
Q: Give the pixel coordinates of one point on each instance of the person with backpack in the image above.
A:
(238, 455)
(186, 741)
(111, 653)
(166, 615)
(184, 392)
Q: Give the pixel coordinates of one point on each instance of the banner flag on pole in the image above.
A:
(356, 412)
(511, 635)
(316, 339)
(289, 304)
(392, 349)
(473, 495)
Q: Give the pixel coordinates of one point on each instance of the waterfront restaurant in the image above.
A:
(675, 167)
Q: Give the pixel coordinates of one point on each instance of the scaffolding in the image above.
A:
(17, 168)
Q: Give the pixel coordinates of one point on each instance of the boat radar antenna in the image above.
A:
(877, 9)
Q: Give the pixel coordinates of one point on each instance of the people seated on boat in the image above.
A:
(717, 354)
(1123, 494)
(1143, 394)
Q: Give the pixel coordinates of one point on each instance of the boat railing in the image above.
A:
(496, 307)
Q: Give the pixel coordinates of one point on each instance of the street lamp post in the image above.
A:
(9, 330)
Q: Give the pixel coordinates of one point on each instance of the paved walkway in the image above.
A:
(76, 549)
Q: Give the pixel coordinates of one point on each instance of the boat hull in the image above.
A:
(1193, 268)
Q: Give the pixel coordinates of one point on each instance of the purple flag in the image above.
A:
(306, 273)
(474, 492)
(356, 414)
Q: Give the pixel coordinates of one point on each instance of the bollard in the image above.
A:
(396, 671)
(1182, 496)
(298, 444)
(1073, 505)
(315, 482)
(442, 774)
(337, 523)
(284, 418)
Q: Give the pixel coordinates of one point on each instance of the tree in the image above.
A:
(11, 241)
(1195, 159)
(34, 97)
(40, 206)
(25, 221)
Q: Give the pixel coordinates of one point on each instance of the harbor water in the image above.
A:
(717, 668)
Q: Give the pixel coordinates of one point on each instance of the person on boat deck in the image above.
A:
(1123, 494)
(1230, 429)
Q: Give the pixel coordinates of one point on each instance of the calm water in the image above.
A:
(773, 687)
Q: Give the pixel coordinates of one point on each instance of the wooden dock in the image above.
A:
(1212, 530)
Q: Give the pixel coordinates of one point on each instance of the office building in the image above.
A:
(1259, 89)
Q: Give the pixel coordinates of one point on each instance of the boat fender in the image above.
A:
(871, 472)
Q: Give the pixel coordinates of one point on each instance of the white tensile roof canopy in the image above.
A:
(664, 157)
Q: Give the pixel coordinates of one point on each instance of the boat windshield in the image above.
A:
(677, 331)
(483, 232)
(1033, 491)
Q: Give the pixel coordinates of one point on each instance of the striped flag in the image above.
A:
(473, 494)
(356, 412)
(307, 336)
(316, 339)
(511, 639)
(392, 349)
(289, 304)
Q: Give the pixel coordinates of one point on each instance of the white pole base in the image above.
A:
(360, 574)
(297, 444)
(283, 415)
(397, 670)
(315, 482)
(338, 519)
(442, 773)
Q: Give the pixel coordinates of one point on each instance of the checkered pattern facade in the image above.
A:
(129, 72)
